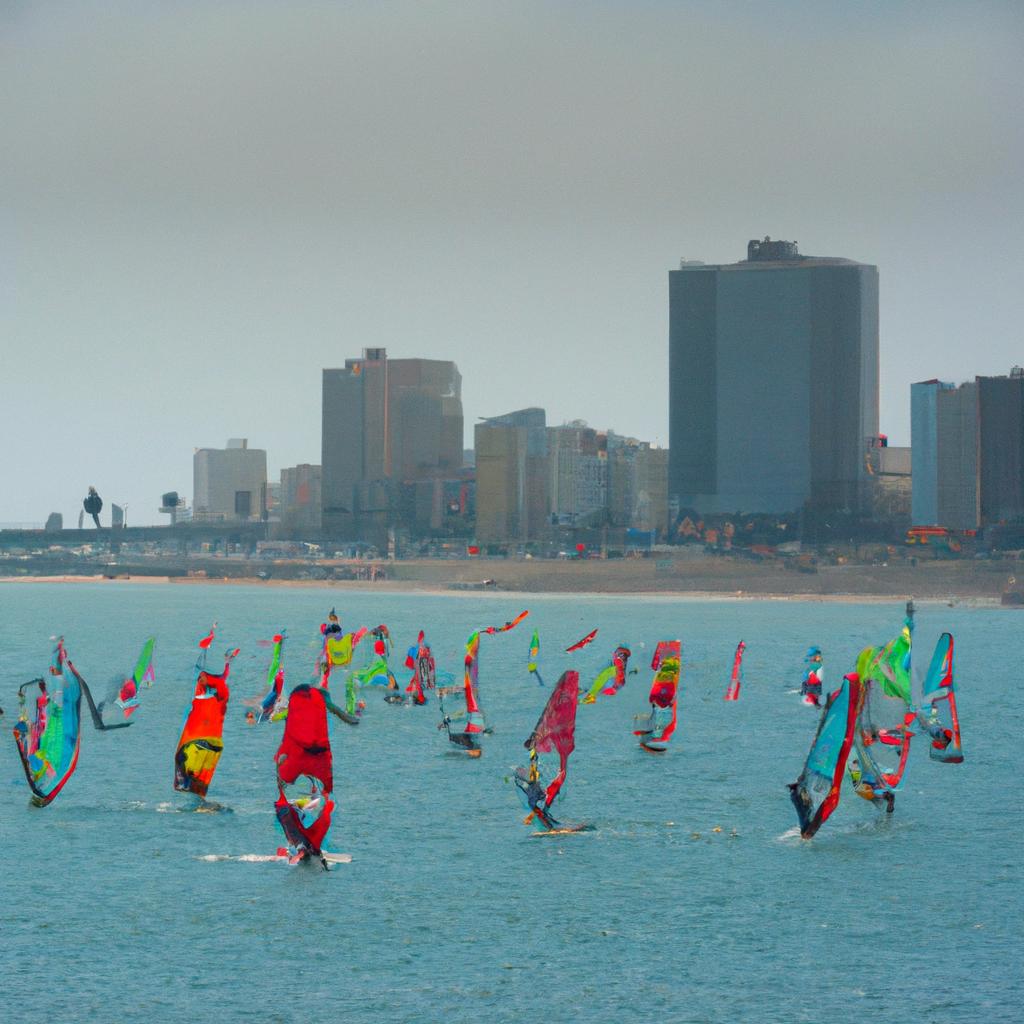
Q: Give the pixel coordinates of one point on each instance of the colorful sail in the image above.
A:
(815, 794)
(555, 731)
(49, 741)
(272, 699)
(61, 664)
(655, 729)
(126, 695)
(736, 680)
(937, 711)
(531, 661)
(490, 630)
(202, 736)
(612, 678)
(582, 643)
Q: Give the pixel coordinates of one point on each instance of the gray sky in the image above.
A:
(204, 204)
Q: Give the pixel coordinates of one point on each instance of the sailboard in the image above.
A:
(377, 672)
(419, 659)
(50, 740)
(272, 700)
(736, 680)
(468, 737)
(336, 653)
(655, 728)
(122, 698)
(883, 734)
(305, 775)
(810, 687)
(612, 678)
(815, 794)
(202, 735)
(936, 707)
(555, 732)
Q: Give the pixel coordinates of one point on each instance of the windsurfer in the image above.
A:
(810, 688)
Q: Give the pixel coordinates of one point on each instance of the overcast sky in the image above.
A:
(204, 204)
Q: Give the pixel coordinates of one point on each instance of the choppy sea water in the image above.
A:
(122, 905)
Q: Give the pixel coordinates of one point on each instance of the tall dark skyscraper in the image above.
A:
(773, 382)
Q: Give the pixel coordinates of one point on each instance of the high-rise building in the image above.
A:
(341, 447)
(967, 446)
(1001, 447)
(386, 422)
(773, 382)
(637, 484)
(578, 482)
(229, 484)
(511, 477)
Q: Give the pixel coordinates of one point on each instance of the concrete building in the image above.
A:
(300, 500)
(890, 468)
(968, 451)
(637, 484)
(578, 475)
(386, 422)
(773, 382)
(229, 484)
(511, 477)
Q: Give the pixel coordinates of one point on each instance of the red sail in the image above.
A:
(306, 745)
(556, 728)
(582, 643)
(733, 693)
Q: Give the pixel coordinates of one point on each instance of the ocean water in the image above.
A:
(121, 904)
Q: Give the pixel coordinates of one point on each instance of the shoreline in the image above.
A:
(456, 588)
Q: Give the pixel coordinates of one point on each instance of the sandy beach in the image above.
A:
(723, 578)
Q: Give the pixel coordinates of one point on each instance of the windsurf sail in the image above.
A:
(66, 667)
(202, 736)
(815, 794)
(937, 711)
(490, 630)
(49, 741)
(123, 693)
(612, 678)
(582, 642)
(736, 680)
(883, 734)
(555, 731)
(271, 701)
(531, 661)
(655, 728)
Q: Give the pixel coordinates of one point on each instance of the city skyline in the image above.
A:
(203, 210)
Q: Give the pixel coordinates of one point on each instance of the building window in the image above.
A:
(243, 504)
